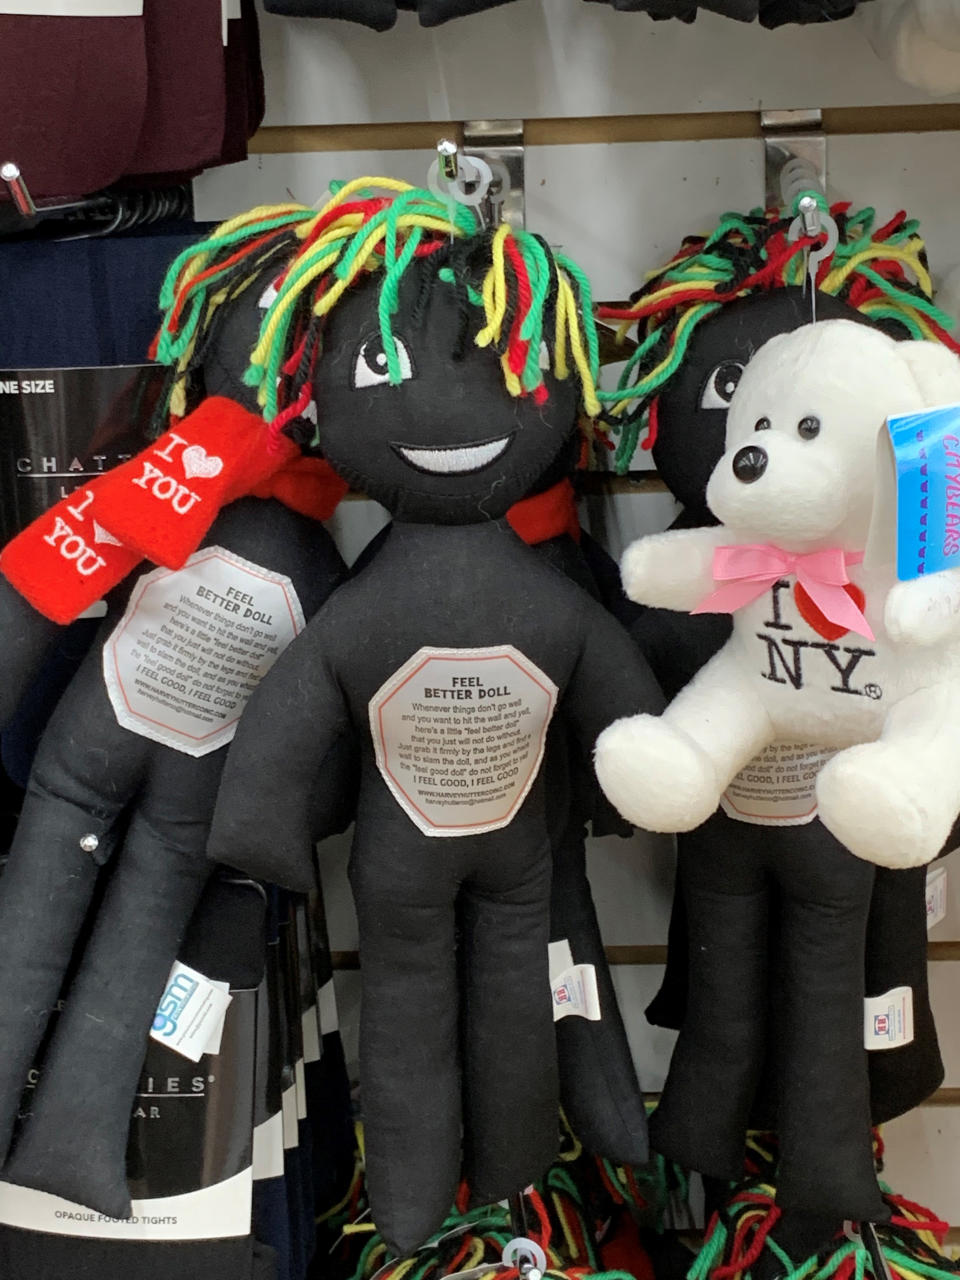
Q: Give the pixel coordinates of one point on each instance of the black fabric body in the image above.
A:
(599, 1090)
(451, 575)
(150, 807)
(777, 933)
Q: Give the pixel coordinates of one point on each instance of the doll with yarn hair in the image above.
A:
(114, 817)
(752, 1048)
(447, 364)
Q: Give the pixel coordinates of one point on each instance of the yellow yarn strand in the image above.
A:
(560, 365)
(494, 291)
(910, 257)
(590, 401)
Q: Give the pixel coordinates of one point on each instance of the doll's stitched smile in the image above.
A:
(453, 460)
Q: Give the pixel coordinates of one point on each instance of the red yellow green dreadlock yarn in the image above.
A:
(879, 271)
(535, 303)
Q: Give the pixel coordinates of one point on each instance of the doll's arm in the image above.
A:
(612, 679)
(25, 640)
(672, 570)
(924, 611)
(265, 820)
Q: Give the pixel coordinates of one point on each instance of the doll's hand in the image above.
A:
(672, 570)
(924, 611)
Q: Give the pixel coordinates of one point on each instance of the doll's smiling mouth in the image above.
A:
(456, 459)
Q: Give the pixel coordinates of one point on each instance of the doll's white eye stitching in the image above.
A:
(544, 356)
(370, 367)
(721, 384)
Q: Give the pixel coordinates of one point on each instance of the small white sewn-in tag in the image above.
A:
(888, 1019)
(573, 987)
(936, 895)
(189, 1019)
(559, 957)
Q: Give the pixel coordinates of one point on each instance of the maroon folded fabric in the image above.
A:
(244, 79)
(73, 97)
(183, 126)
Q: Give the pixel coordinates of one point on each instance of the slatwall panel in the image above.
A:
(638, 133)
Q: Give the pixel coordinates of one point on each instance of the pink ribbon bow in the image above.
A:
(746, 572)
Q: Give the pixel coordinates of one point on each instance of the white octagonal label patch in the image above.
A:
(459, 736)
(193, 645)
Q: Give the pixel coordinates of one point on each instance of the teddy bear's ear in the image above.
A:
(935, 369)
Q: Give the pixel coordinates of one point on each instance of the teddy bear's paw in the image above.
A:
(924, 611)
(871, 803)
(641, 569)
(656, 776)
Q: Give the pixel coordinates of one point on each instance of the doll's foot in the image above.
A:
(656, 776)
(881, 809)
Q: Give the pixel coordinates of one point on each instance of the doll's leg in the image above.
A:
(74, 1140)
(405, 887)
(704, 1112)
(826, 1158)
(599, 1089)
(667, 773)
(894, 801)
(510, 1087)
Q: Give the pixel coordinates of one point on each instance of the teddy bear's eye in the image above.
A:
(807, 428)
(720, 386)
(370, 368)
(762, 424)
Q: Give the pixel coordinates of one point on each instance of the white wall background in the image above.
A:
(619, 209)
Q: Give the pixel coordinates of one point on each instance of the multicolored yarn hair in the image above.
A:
(739, 1234)
(879, 271)
(529, 297)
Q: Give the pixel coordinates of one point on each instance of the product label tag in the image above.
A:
(62, 428)
(573, 986)
(192, 646)
(888, 1019)
(918, 482)
(191, 1013)
(778, 787)
(936, 895)
(459, 736)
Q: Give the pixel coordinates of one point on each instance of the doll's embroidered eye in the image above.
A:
(762, 424)
(721, 385)
(370, 368)
(807, 428)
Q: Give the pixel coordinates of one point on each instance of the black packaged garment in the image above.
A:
(190, 1144)
(381, 14)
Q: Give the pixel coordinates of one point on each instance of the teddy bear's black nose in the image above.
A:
(749, 463)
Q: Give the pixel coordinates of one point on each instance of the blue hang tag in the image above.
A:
(926, 455)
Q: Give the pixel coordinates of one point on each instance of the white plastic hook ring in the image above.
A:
(828, 228)
(473, 170)
(526, 1255)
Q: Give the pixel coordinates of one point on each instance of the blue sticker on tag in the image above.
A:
(926, 449)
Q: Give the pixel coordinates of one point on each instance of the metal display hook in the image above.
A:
(486, 173)
(795, 162)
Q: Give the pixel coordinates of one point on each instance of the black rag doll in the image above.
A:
(766, 915)
(599, 1089)
(124, 781)
(442, 358)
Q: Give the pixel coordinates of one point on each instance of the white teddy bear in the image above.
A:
(825, 650)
